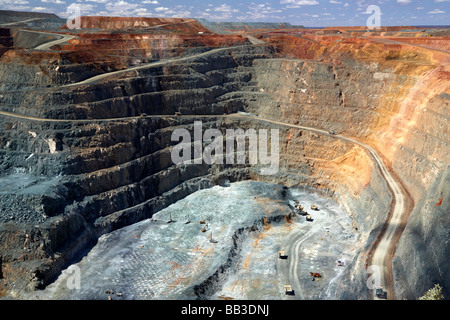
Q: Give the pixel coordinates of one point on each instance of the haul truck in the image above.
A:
(288, 289)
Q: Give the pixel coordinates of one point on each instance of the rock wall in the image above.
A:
(395, 100)
(121, 23)
(117, 172)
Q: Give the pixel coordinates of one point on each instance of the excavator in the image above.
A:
(282, 254)
(315, 274)
(298, 207)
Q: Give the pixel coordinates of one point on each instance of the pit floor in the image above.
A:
(157, 259)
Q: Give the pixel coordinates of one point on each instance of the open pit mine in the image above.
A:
(93, 205)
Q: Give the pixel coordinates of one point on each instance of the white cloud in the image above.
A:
(404, 1)
(335, 2)
(141, 12)
(97, 1)
(52, 1)
(120, 8)
(263, 8)
(222, 12)
(148, 2)
(299, 2)
(13, 2)
(178, 11)
(225, 8)
(259, 11)
(435, 11)
(39, 9)
(14, 5)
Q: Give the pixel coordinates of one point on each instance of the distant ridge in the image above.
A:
(232, 26)
(24, 14)
(433, 27)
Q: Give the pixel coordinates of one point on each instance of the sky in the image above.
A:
(310, 13)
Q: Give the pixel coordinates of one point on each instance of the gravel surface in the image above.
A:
(21, 195)
(159, 259)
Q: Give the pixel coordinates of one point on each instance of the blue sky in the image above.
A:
(311, 13)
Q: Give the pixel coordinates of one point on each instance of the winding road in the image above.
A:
(382, 254)
(287, 268)
(149, 65)
(381, 259)
(48, 45)
(19, 22)
(390, 41)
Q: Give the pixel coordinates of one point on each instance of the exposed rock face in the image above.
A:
(87, 177)
(396, 101)
(229, 27)
(19, 19)
(20, 15)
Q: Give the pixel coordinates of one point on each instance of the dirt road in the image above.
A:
(61, 38)
(390, 41)
(288, 270)
(19, 22)
(382, 255)
(149, 65)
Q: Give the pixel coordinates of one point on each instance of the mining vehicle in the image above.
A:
(288, 289)
(282, 254)
(300, 208)
(314, 207)
(380, 292)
